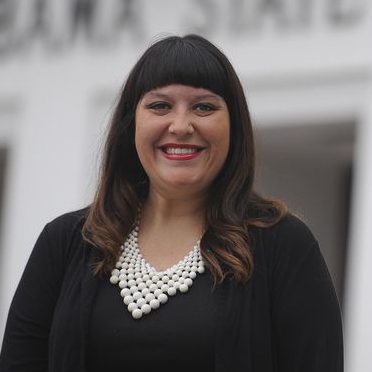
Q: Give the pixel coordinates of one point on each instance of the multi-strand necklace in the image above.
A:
(143, 288)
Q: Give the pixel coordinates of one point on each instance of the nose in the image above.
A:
(181, 125)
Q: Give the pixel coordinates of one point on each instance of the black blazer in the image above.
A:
(286, 319)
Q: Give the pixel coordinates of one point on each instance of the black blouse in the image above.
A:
(178, 336)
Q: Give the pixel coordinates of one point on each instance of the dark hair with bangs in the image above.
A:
(187, 61)
(233, 206)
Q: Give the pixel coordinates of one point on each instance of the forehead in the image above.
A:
(179, 90)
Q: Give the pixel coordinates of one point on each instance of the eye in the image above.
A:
(204, 108)
(159, 106)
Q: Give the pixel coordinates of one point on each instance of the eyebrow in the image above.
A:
(166, 96)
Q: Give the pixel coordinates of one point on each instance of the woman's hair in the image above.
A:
(232, 206)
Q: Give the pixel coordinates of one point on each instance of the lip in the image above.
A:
(181, 156)
(182, 145)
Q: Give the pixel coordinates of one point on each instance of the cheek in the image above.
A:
(141, 144)
(147, 135)
(226, 134)
(148, 128)
(221, 138)
(143, 133)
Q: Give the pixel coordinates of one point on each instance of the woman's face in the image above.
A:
(182, 137)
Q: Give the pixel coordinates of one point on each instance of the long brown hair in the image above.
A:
(232, 207)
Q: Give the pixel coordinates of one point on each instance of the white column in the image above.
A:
(46, 166)
(358, 295)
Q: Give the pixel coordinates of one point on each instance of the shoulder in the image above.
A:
(291, 230)
(62, 235)
(58, 244)
(67, 223)
(291, 239)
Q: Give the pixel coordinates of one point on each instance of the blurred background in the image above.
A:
(306, 69)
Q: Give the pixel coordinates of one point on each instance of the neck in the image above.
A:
(160, 209)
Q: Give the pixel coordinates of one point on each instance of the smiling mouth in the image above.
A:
(180, 150)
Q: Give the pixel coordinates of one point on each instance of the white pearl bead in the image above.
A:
(172, 291)
(131, 283)
(132, 306)
(123, 284)
(184, 288)
(145, 308)
(146, 278)
(155, 278)
(160, 283)
(165, 279)
(141, 302)
(171, 283)
(153, 287)
(201, 269)
(154, 304)
(141, 286)
(137, 295)
(114, 279)
(188, 282)
(164, 287)
(133, 289)
(175, 277)
(192, 275)
(149, 297)
(149, 282)
(128, 299)
(157, 293)
(185, 274)
(163, 298)
(125, 292)
(137, 313)
(145, 291)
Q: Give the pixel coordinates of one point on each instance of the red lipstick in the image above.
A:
(173, 151)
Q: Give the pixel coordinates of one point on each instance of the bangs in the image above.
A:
(180, 62)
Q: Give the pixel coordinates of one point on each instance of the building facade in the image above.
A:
(305, 65)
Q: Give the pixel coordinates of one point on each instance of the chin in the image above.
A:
(185, 182)
(181, 182)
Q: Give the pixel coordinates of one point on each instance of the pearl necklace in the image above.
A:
(143, 288)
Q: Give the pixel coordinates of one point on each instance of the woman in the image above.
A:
(177, 263)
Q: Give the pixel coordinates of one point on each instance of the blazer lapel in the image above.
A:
(233, 329)
(89, 287)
